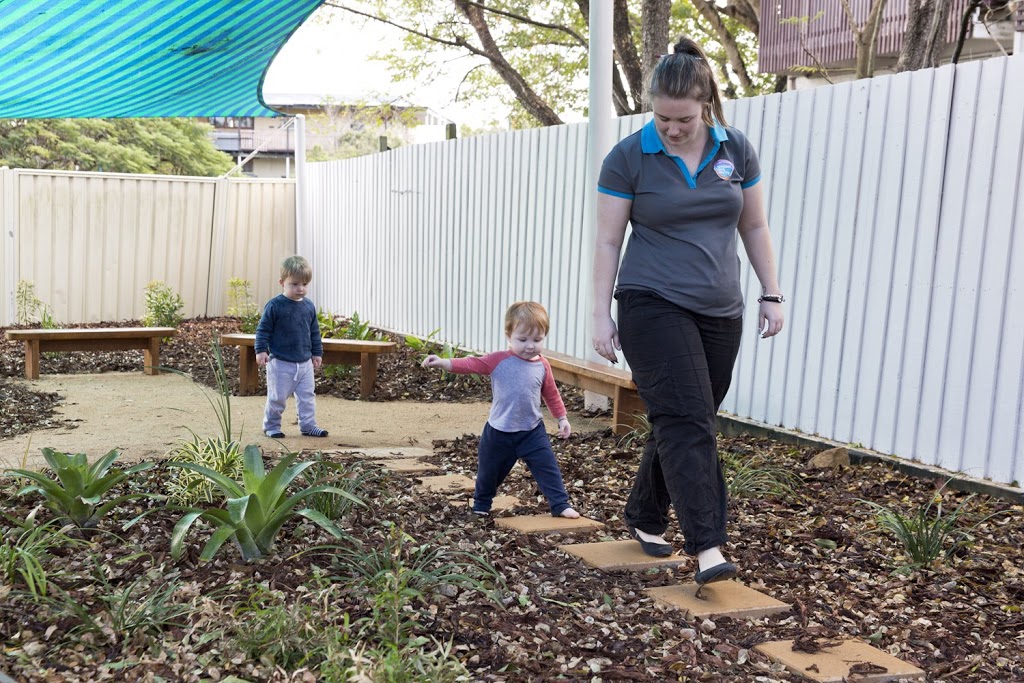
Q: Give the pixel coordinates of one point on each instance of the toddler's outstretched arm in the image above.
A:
(433, 361)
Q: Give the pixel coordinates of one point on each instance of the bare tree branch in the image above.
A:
(728, 41)
(580, 40)
(525, 94)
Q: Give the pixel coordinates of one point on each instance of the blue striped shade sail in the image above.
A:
(140, 58)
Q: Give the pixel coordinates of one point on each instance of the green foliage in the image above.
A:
(119, 613)
(927, 535)
(334, 506)
(331, 326)
(400, 572)
(255, 508)
(164, 146)
(354, 143)
(753, 477)
(24, 551)
(639, 434)
(359, 329)
(189, 488)
(242, 305)
(77, 494)
(429, 345)
(30, 309)
(163, 306)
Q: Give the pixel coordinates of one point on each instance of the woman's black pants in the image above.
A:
(682, 366)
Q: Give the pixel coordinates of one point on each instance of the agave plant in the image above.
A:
(255, 508)
(77, 493)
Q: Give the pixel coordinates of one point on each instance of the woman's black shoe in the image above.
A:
(652, 549)
(720, 572)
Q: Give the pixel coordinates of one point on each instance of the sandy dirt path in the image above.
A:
(146, 415)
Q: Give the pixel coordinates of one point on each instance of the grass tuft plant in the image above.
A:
(242, 305)
(334, 506)
(78, 492)
(31, 309)
(254, 509)
(927, 535)
(752, 477)
(24, 551)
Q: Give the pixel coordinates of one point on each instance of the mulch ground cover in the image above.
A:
(818, 548)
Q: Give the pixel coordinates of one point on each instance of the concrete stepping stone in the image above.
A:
(546, 524)
(721, 599)
(447, 482)
(407, 465)
(501, 503)
(611, 555)
(846, 660)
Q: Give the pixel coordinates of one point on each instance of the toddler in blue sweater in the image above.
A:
(288, 344)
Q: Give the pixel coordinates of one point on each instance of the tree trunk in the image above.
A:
(865, 37)
(926, 28)
(625, 51)
(728, 40)
(654, 39)
(533, 104)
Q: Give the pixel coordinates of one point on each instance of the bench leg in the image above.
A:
(31, 359)
(627, 411)
(152, 357)
(248, 372)
(367, 374)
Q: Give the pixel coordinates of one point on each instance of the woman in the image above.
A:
(688, 185)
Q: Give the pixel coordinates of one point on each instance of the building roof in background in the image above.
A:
(315, 100)
(141, 58)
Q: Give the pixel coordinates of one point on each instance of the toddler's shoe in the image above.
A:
(274, 435)
(720, 572)
(315, 431)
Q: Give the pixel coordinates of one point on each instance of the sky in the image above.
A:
(333, 58)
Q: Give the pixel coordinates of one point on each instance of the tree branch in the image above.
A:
(533, 104)
(527, 20)
(443, 41)
(728, 41)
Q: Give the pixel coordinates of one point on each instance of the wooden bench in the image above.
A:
(336, 352)
(38, 342)
(605, 380)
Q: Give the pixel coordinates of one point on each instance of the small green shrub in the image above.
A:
(242, 305)
(639, 434)
(429, 345)
(30, 309)
(332, 505)
(189, 488)
(255, 509)
(24, 551)
(331, 326)
(77, 494)
(360, 329)
(927, 537)
(163, 306)
(752, 477)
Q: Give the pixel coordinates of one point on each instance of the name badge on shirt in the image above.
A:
(724, 168)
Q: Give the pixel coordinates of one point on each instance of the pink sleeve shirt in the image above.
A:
(517, 387)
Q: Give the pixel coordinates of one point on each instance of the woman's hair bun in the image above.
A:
(688, 46)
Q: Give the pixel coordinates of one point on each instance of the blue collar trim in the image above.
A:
(650, 143)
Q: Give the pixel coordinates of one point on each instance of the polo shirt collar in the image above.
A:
(650, 143)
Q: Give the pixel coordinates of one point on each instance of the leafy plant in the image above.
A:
(77, 494)
(255, 509)
(163, 306)
(321, 471)
(189, 488)
(222, 454)
(925, 534)
(146, 605)
(30, 309)
(331, 326)
(24, 551)
(242, 305)
(400, 571)
(359, 329)
(429, 345)
(638, 435)
(754, 478)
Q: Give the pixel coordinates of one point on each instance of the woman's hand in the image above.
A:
(770, 319)
(606, 338)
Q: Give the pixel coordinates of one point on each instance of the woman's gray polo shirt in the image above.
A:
(683, 244)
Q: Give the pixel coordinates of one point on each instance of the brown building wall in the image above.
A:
(829, 38)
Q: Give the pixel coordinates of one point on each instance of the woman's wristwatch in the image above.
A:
(774, 298)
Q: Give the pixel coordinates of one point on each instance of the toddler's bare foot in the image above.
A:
(569, 513)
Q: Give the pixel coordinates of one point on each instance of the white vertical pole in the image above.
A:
(599, 142)
(1018, 36)
(10, 244)
(301, 216)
